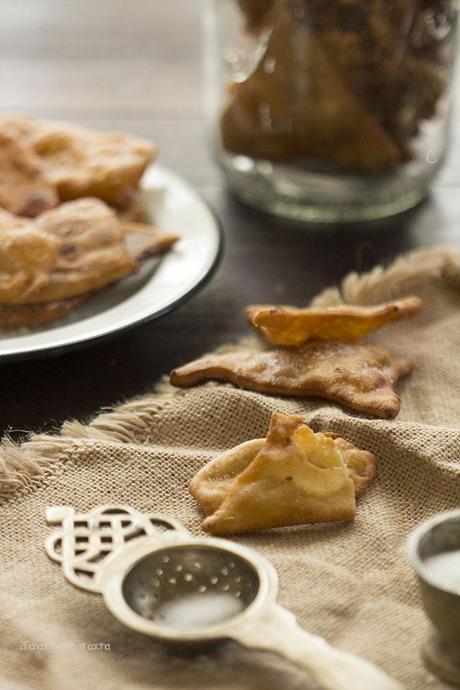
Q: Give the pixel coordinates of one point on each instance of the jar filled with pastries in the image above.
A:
(330, 110)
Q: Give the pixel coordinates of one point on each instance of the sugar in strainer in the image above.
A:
(159, 580)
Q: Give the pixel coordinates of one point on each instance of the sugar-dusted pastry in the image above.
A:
(25, 189)
(213, 482)
(296, 105)
(361, 463)
(31, 315)
(133, 212)
(143, 241)
(364, 39)
(393, 63)
(360, 377)
(27, 258)
(255, 11)
(292, 477)
(290, 326)
(82, 162)
(50, 265)
(92, 252)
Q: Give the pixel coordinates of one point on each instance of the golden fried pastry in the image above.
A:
(27, 258)
(360, 377)
(213, 482)
(363, 38)
(134, 212)
(91, 254)
(30, 315)
(93, 250)
(49, 266)
(25, 189)
(289, 326)
(255, 11)
(97, 249)
(296, 477)
(302, 108)
(360, 463)
(86, 163)
(143, 241)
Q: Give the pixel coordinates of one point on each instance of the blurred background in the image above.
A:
(110, 64)
(136, 66)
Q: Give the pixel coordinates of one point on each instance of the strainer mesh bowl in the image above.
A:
(191, 586)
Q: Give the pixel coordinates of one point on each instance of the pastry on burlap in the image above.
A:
(349, 583)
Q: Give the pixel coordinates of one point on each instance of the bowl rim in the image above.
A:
(413, 544)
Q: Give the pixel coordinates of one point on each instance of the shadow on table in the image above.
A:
(226, 666)
(383, 238)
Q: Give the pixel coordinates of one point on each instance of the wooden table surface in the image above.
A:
(136, 66)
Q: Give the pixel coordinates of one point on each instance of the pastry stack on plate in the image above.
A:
(71, 217)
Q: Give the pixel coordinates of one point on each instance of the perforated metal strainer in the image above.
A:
(161, 581)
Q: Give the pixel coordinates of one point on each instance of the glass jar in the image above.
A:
(330, 109)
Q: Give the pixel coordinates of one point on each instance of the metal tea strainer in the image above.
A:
(161, 581)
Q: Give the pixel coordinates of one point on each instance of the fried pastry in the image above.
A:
(134, 212)
(91, 255)
(96, 248)
(86, 163)
(213, 482)
(394, 63)
(27, 258)
(255, 11)
(143, 241)
(297, 477)
(391, 58)
(360, 377)
(360, 463)
(274, 114)
(30, 315)
(289, 326)
(49, 266)
(25, 189)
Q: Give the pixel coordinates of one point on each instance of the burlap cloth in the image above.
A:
(350, 583)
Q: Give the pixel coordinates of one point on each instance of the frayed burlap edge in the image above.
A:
(401, 277)
(27, 465)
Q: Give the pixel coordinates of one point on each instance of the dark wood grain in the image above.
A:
(135, 65)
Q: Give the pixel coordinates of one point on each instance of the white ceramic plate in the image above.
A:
(160, 286)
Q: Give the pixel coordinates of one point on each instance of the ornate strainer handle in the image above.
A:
(84, 542)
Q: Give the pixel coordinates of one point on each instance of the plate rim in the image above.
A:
(54, 350)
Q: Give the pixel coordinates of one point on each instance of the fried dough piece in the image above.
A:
(297, 478)
(212, 483)
(92, 252)
(82, 162)
(134, 212)
(24, 187)
(276, 115)
(360, 377)
(27, 257)
(30, 315)
(49, 267)
(143, 241)
(361, 463)
(289, 326)
(393, 60)
(255, 11)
